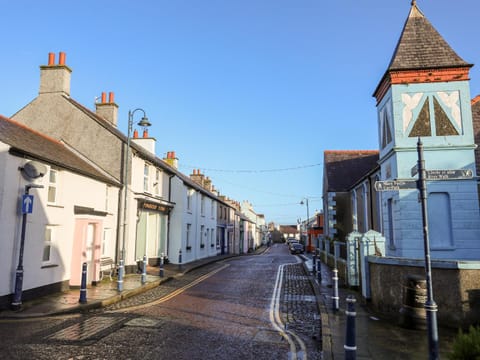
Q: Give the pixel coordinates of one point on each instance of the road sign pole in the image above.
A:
(17, 295)
(430, 305)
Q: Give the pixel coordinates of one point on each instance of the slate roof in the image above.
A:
(421, 46)
(32, 144)
(343, 168)
(140, 151)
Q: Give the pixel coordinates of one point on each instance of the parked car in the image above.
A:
(293, 242)
(297, 248)
(290, 240)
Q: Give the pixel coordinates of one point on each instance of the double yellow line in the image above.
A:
(172, 294)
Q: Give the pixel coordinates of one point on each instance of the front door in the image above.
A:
(90, 253)
(86, 249)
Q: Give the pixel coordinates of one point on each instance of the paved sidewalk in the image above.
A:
(105, 292)
(376, 337)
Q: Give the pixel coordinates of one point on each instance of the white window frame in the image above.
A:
(188, 235)
(48, 241)
(53, 186)
(156, 185)
(146, 182)
(189, 199)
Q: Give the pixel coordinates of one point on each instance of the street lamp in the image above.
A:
(142, 123)
(307, 223)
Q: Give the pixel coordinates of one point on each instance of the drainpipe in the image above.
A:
(371, 192)
(168, 218)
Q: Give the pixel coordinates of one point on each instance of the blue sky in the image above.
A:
(249, 91)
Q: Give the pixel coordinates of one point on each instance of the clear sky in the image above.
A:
(249, 91)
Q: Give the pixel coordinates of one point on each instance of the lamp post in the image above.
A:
(307, 225)
(142, 123)
(26, 208)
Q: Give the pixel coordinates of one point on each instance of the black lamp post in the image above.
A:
(307, 225)
(142, 123)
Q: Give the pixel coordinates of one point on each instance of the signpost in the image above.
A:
(392, 185)
(448, 174)
(27, 206)
(420, 184)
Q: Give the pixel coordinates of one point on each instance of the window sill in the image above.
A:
(48, 266)
(55, 205)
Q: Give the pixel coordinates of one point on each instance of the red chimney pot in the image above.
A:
(61, 58)
(145, 133)
(104, 97)
(135, 134)
(173, 154)
(111, 97)
(51, 58)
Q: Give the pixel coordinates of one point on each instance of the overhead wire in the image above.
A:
(252, 170)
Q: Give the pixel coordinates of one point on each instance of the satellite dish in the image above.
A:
(33, 170)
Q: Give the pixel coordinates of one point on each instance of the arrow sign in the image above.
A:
(449, 174)
(392, 185)
(27, 204)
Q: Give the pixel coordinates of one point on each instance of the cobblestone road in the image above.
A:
(300, 309)
(224, 316)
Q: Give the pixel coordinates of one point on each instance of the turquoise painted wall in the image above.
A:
(402, 108)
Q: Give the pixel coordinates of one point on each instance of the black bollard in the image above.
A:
(319, 271)
(180, 258)
(83, 286)
(144, 269)
(314, 265)
(161, 266)
(335, 297)
(350, 344)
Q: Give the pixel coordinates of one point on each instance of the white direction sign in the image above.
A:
(392, 185)
(449, 174)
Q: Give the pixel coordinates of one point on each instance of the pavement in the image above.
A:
(376, 337)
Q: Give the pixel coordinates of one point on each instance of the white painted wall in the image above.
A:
(73, 190)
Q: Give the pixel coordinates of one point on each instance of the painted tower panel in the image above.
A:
(429, 100)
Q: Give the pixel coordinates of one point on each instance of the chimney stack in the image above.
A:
(171, 159)
(55, 79)
(107, 110)
(197, 176)
(146, 142)
(207, 184)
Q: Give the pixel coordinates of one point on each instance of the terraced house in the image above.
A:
(153, 209)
